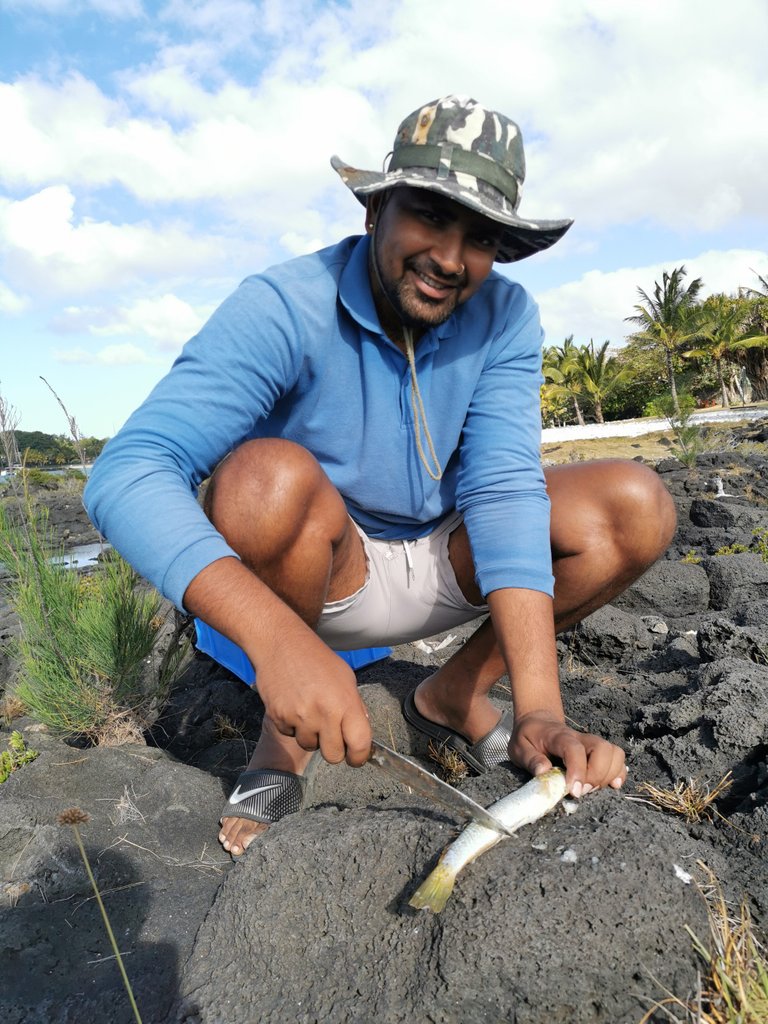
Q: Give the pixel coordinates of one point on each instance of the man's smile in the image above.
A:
(433, 288)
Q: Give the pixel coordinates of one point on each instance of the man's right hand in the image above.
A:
(311, 693)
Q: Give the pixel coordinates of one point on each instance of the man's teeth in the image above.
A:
(441, 286)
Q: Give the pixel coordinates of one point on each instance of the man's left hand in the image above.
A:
(590, 761)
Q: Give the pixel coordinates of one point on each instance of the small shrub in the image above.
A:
(732, 549)
(85, 642)
(760, 543)
(39, 478)
(15, 756)
(224, 728)
(690, 558)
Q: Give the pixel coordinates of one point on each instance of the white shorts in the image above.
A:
(410, 592)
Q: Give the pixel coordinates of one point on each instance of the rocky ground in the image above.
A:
(580, 919)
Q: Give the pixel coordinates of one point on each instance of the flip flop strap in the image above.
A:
(266, 795)
(494, 748)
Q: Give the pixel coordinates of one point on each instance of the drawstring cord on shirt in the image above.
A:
(417, 404)
(419, 414)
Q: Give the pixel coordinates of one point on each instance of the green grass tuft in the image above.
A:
(85, 641)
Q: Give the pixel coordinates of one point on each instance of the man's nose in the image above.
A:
(448, 251)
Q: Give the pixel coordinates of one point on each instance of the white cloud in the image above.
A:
(111, 355)
(299, 245)
(631, 110)
(10, 302)
(49, 252)
(234, 143)
(166, 321)
(595, 306)
(196, 149)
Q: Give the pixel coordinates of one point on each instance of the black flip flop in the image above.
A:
(269, 794)
(489, 751)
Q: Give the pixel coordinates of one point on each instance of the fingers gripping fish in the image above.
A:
(526, 805)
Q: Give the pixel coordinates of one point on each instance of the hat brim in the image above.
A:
(521, 237)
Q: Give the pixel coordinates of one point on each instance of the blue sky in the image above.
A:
(155, 153)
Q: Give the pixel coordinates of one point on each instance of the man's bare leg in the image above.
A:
(276, 508)
(611, 521)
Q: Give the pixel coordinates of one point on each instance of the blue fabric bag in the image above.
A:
(234, 658)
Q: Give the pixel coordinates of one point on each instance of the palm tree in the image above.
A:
(558, 367)
(756, 293)
(599, 375)
(668, 319)
(723, 331)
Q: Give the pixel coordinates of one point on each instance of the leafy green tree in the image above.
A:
(32, 457)
(723, 332)
(643, 379)
(93, 446)
(756, 359)
(669, 319)
(57, 449)
(560, 370)
(597, 374)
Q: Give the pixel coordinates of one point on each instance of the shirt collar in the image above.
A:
(357, 298)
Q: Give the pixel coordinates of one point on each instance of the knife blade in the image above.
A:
(424, 782)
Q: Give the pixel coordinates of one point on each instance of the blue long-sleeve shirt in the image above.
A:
(298, 352)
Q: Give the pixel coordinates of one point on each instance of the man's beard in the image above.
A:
(415, 310)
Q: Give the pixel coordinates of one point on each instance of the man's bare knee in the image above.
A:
(646, 511)
(611, 503)
(267, 487)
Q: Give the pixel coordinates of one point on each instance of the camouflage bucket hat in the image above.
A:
(469, 154)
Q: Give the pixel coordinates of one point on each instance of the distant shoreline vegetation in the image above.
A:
(36, 449)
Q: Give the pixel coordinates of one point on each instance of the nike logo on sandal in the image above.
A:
(237, 796)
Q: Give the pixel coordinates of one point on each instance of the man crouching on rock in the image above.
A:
(370, 417)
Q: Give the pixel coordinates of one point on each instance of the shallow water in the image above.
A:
(81, 556)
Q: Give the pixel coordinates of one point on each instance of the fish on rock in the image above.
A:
(526, 805)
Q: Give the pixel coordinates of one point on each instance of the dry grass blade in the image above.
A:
(691, 799)
(74, 817)
(734, 989)
(452, 766)
(11, 708)
(224, 728)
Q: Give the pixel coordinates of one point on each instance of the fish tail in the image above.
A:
(434, 891)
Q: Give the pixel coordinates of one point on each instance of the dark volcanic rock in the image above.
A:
(611, 633)
(340, 884)
(722, 637)
(156, 862)
(721, 725)
(63, 506)
(567, 924)
(736, 579)
(668, 588)
(725, 513)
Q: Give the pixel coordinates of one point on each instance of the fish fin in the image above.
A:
(434, 891)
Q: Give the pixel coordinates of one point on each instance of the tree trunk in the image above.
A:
(671, 379)
(598, 411)
(579, 415)
(721, 379)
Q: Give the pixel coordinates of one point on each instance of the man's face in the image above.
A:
(432, 254)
